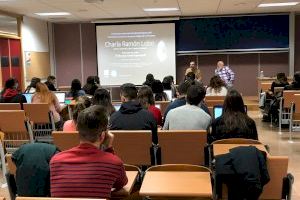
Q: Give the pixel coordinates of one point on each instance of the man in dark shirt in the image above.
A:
(131, 115)
(295, 84)
(50, 83)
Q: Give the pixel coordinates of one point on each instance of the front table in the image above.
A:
(176, 184)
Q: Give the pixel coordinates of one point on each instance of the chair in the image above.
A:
(182, 146)
(10, 106)
(278, 90)
(65, 140)
(285, 107)
(52, 198)
(212, 103)
(42, 119)
(179, 167)
(213, 98)
(134, 147)
(236, 141)
(163, 106)
(16, 130)
(265, 86)
(295, 116)
(64, 88)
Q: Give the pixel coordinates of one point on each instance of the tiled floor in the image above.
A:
(279, 145)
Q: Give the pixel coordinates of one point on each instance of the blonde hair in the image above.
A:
(198, 74)
(44, 94)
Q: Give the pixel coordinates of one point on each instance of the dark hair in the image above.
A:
(85, 100)
(216, 83)
(234, 114)
(145, 95)
(195, 94)
(97, 79)
(91, 122)
(75, 87)
(10, 83)
(102, 97)
(129, 91)
(281, 78)
(297, 76)
(77, 109)
(190, 76)
(34, 81)
(183, 87)
(158, 90)
(167, 82)
(149, 80)
(49, 78)
(90, 80)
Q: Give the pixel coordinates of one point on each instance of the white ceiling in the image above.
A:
(120, 9)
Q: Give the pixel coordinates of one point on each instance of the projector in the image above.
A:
(93, 1)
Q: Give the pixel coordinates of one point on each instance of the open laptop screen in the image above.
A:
(28, 97)
(61, 96)
(218, 110)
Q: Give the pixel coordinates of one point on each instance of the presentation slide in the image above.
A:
(127, 53)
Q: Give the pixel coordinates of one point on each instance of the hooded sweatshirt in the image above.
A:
(132, 116)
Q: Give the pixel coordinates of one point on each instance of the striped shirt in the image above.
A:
(85, 171)
(226, 74)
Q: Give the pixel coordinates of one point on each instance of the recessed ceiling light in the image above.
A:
(262, 5)
(53, 14)
(160, 9)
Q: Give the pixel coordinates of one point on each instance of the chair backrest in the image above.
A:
(37, 112)
(212, 103)
(277, 168)
(10, 106)
(64, 88)
(131, 167)
(65, 140)
(179, 167)
(182, 146)
(210, 98)
(288, 97)
(52, 198)
(236, 141)
(11, 165)
(12, 121)
(133, 147)
(163, 106)
(265, 86)
(297, 103)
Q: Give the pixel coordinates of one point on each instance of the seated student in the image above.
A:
(189, 116)
(76, 90)
(102, 97)
(31, 88)
(145, 97)
(43, 95)
(90, 87)
(50, 83)
(181, 100)
(281, 81)
(295, 84)
(216, 87)
(10, 93)
(149, 80)
(131, 115)
(33, 172)
(86, 171)
(234, 121)
(70, 125)
(158, 91)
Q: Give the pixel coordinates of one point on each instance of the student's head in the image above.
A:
(128, 92)
(183, 88)
(150, 78)
(167, 83)
(101, 97)
(97, 80)
(90, 80)
(234, 102)
(41, 88)
(157, 87)
(75, 85)
(220, 64)
(11, 83)
(77, 109)
(51, 79)
(281, 77)
(190, 76)
(34, 81)
(192, 64)
(216, 83)
(145, 96)
(85, 100)
(92, 124)
(195, 94)
(297, 77)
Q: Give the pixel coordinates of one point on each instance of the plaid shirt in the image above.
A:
(226, 74)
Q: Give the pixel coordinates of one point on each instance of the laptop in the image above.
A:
(28, 97)
(218, 110)
(61, 96)
(117, 106)
(157, 106)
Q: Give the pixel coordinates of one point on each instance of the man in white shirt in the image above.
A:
(189, 116)
(225, 73)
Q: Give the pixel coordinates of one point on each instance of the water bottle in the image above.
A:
(261, 75)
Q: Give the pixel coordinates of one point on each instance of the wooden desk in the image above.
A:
(224, 148)
(126, 190)
(176, 184)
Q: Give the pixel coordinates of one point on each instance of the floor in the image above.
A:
(279, 145)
